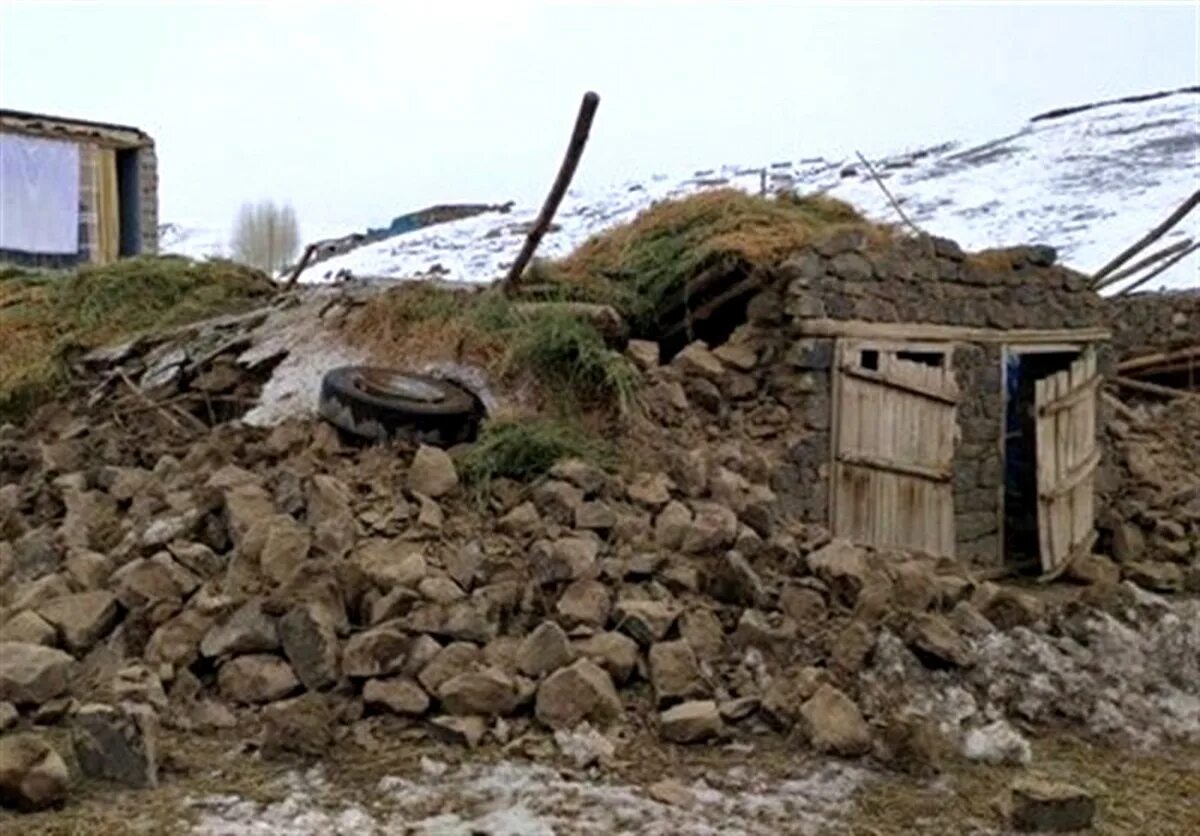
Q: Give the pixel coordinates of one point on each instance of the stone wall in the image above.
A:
(847, 277)
(1145, 323)
(148, 185)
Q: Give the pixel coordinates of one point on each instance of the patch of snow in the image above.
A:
(997, 743)
(1137, 683)
(524, 799)
(1088, 183)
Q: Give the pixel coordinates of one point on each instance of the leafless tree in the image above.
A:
(266, 235)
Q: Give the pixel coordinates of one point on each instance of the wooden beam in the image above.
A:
(579, 137)
(882, 379)
(1149, 238)
(931, 474)
(1138, 266)
(1158, 358)
(859, 329)
(1153, 388)
(1086, 389)
(1157, 271)
(1073, 479)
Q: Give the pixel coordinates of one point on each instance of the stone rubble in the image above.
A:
(288, 580)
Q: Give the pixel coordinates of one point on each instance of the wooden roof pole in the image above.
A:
(579, 136)
(1149, 238)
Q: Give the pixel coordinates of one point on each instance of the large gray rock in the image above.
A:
(33, 674)
(446, 663)
(584, 602)
(303, 725)
(145, 584)
(376, 652)
(330, 516)
(843, 567)
(245, 505)
(714, 527)
(399, 695)
(690, 722)
(82, 619)
(486, 692)
(834, 724)
(311, 645)
(566, 559)
(570, 695)
(544, 650)
(432, 472)
(391, 563)
(32, 775)
(674, 672)
(1154, 576)
(117, 744)
(938, 644)
(614, 652)
(247, 630)
(1044, 806)
(28, 627)
(645, 621)
(257, 678)
(177, 642)
(285, 548)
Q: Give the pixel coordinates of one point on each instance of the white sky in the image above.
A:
(357, 112)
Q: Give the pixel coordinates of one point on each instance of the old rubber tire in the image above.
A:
(379, 403)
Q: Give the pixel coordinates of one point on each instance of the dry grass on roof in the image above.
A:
(639, 265)
(45, 314)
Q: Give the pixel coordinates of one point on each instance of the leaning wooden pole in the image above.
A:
(1132, 286)
(1139, 266)
(1149, 238)
(309, 252)
(583, 124)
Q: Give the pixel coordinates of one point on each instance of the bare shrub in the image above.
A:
(266, 235)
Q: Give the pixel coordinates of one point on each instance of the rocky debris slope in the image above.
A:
(284, 581)
(1151, 518)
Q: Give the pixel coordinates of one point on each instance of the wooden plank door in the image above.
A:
(894, 448)
(1067, 456)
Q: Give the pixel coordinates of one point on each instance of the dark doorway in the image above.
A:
(129, 202)
(1021, 372)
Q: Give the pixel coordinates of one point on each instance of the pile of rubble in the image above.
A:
(1151, 518)
(285, 580)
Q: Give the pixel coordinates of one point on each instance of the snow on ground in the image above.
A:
(523, 799)
(1088, 183)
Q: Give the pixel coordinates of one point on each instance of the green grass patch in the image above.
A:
(562, 352)
(44, 314)
(569, 355)
(524, 450)
(645, 264)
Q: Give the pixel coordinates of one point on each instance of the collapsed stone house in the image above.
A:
(73, 191)
(936, 401)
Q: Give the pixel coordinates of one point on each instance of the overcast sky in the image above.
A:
(357, 112)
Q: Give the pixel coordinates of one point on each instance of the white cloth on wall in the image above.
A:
(39, 195)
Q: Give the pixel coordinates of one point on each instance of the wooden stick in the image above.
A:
(1167, 266)
(888, 194)
(1152, 388)
(1158, 358)
(1149, 238)
(1137, 267)
(309, 252)
(145, 399)
(579, 136)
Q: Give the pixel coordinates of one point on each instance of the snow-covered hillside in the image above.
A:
(1088, 181)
